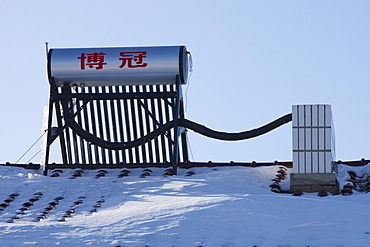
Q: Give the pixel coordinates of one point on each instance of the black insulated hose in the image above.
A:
(201, 129)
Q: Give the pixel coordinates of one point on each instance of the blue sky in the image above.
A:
(253, 60)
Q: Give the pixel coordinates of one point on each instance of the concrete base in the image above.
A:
(314, 182)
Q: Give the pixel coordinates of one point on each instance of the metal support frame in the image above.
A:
(176, 115)
(117, 114)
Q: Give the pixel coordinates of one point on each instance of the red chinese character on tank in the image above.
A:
(93, 60)
(133, 59)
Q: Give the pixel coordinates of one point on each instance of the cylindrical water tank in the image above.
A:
(113, 66)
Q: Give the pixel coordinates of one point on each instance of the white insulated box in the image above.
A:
(313, 139)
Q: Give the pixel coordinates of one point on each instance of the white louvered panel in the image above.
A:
(295, 136)
(302, 162)
(315, 162)
(296, 162)
(313, 139)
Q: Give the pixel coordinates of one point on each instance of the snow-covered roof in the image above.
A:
(215, 206)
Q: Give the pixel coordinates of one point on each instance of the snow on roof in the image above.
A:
(218, 206)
